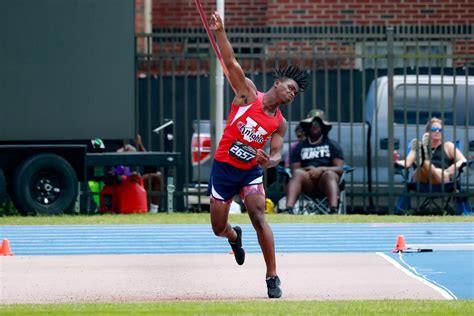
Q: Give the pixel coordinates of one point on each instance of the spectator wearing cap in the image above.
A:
(316, 163)
(300, 135)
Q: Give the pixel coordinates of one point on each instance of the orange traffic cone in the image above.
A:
(400, 245)
(5, 250)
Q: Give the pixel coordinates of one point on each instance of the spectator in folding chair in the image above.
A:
(317, 165)
(279, 188)
(437, 163)
(300, 136)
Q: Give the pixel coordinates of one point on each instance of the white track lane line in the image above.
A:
(435, 286)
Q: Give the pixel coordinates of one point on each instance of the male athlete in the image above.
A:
(255, 117)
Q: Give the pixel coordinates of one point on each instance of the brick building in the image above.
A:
(314, 20)
(271, 13)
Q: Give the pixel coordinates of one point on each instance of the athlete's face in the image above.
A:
(287, 90)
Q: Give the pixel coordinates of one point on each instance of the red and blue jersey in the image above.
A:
(250, 125)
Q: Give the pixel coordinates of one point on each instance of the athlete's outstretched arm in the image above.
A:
(245, 93)
(276, 145)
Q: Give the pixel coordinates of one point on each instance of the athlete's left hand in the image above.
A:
(262, 157)
(216, 22)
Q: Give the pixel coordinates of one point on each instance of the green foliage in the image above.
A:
(8, 209)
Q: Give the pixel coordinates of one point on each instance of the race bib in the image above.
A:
(242, 151)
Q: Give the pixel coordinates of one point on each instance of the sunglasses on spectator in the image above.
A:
(436, 129)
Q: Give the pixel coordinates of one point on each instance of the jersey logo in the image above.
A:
(315, 152)
(251, 131)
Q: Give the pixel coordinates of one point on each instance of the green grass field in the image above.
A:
(203, 218)
(270, 307)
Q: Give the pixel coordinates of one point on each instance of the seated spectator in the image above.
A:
(436, 161)
(299, 138)
(127, 147)
(151, 178)
(316, 163)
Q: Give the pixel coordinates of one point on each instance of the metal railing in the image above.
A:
(174, 82)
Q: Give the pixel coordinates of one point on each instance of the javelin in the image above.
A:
(211, 37)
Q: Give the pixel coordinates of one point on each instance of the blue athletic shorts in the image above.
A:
(227, 180)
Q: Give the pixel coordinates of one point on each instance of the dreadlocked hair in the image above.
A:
(295, 73)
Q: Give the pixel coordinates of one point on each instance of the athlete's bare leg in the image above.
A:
(219, 220)
(255, 204)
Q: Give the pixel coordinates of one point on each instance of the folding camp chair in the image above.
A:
(317, 203)
(439, 198)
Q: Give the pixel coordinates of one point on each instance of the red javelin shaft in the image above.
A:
(211, 37)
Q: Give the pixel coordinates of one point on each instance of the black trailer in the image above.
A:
(67, 77)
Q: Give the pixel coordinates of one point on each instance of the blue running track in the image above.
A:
(450, 266)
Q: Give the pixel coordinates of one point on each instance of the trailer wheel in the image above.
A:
(45, 184)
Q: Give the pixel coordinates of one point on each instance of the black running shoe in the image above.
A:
(288, 210)
(273, 287)
(332, 210)
(239, 252)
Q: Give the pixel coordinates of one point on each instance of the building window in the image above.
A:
(406, 54)
(246, 47)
